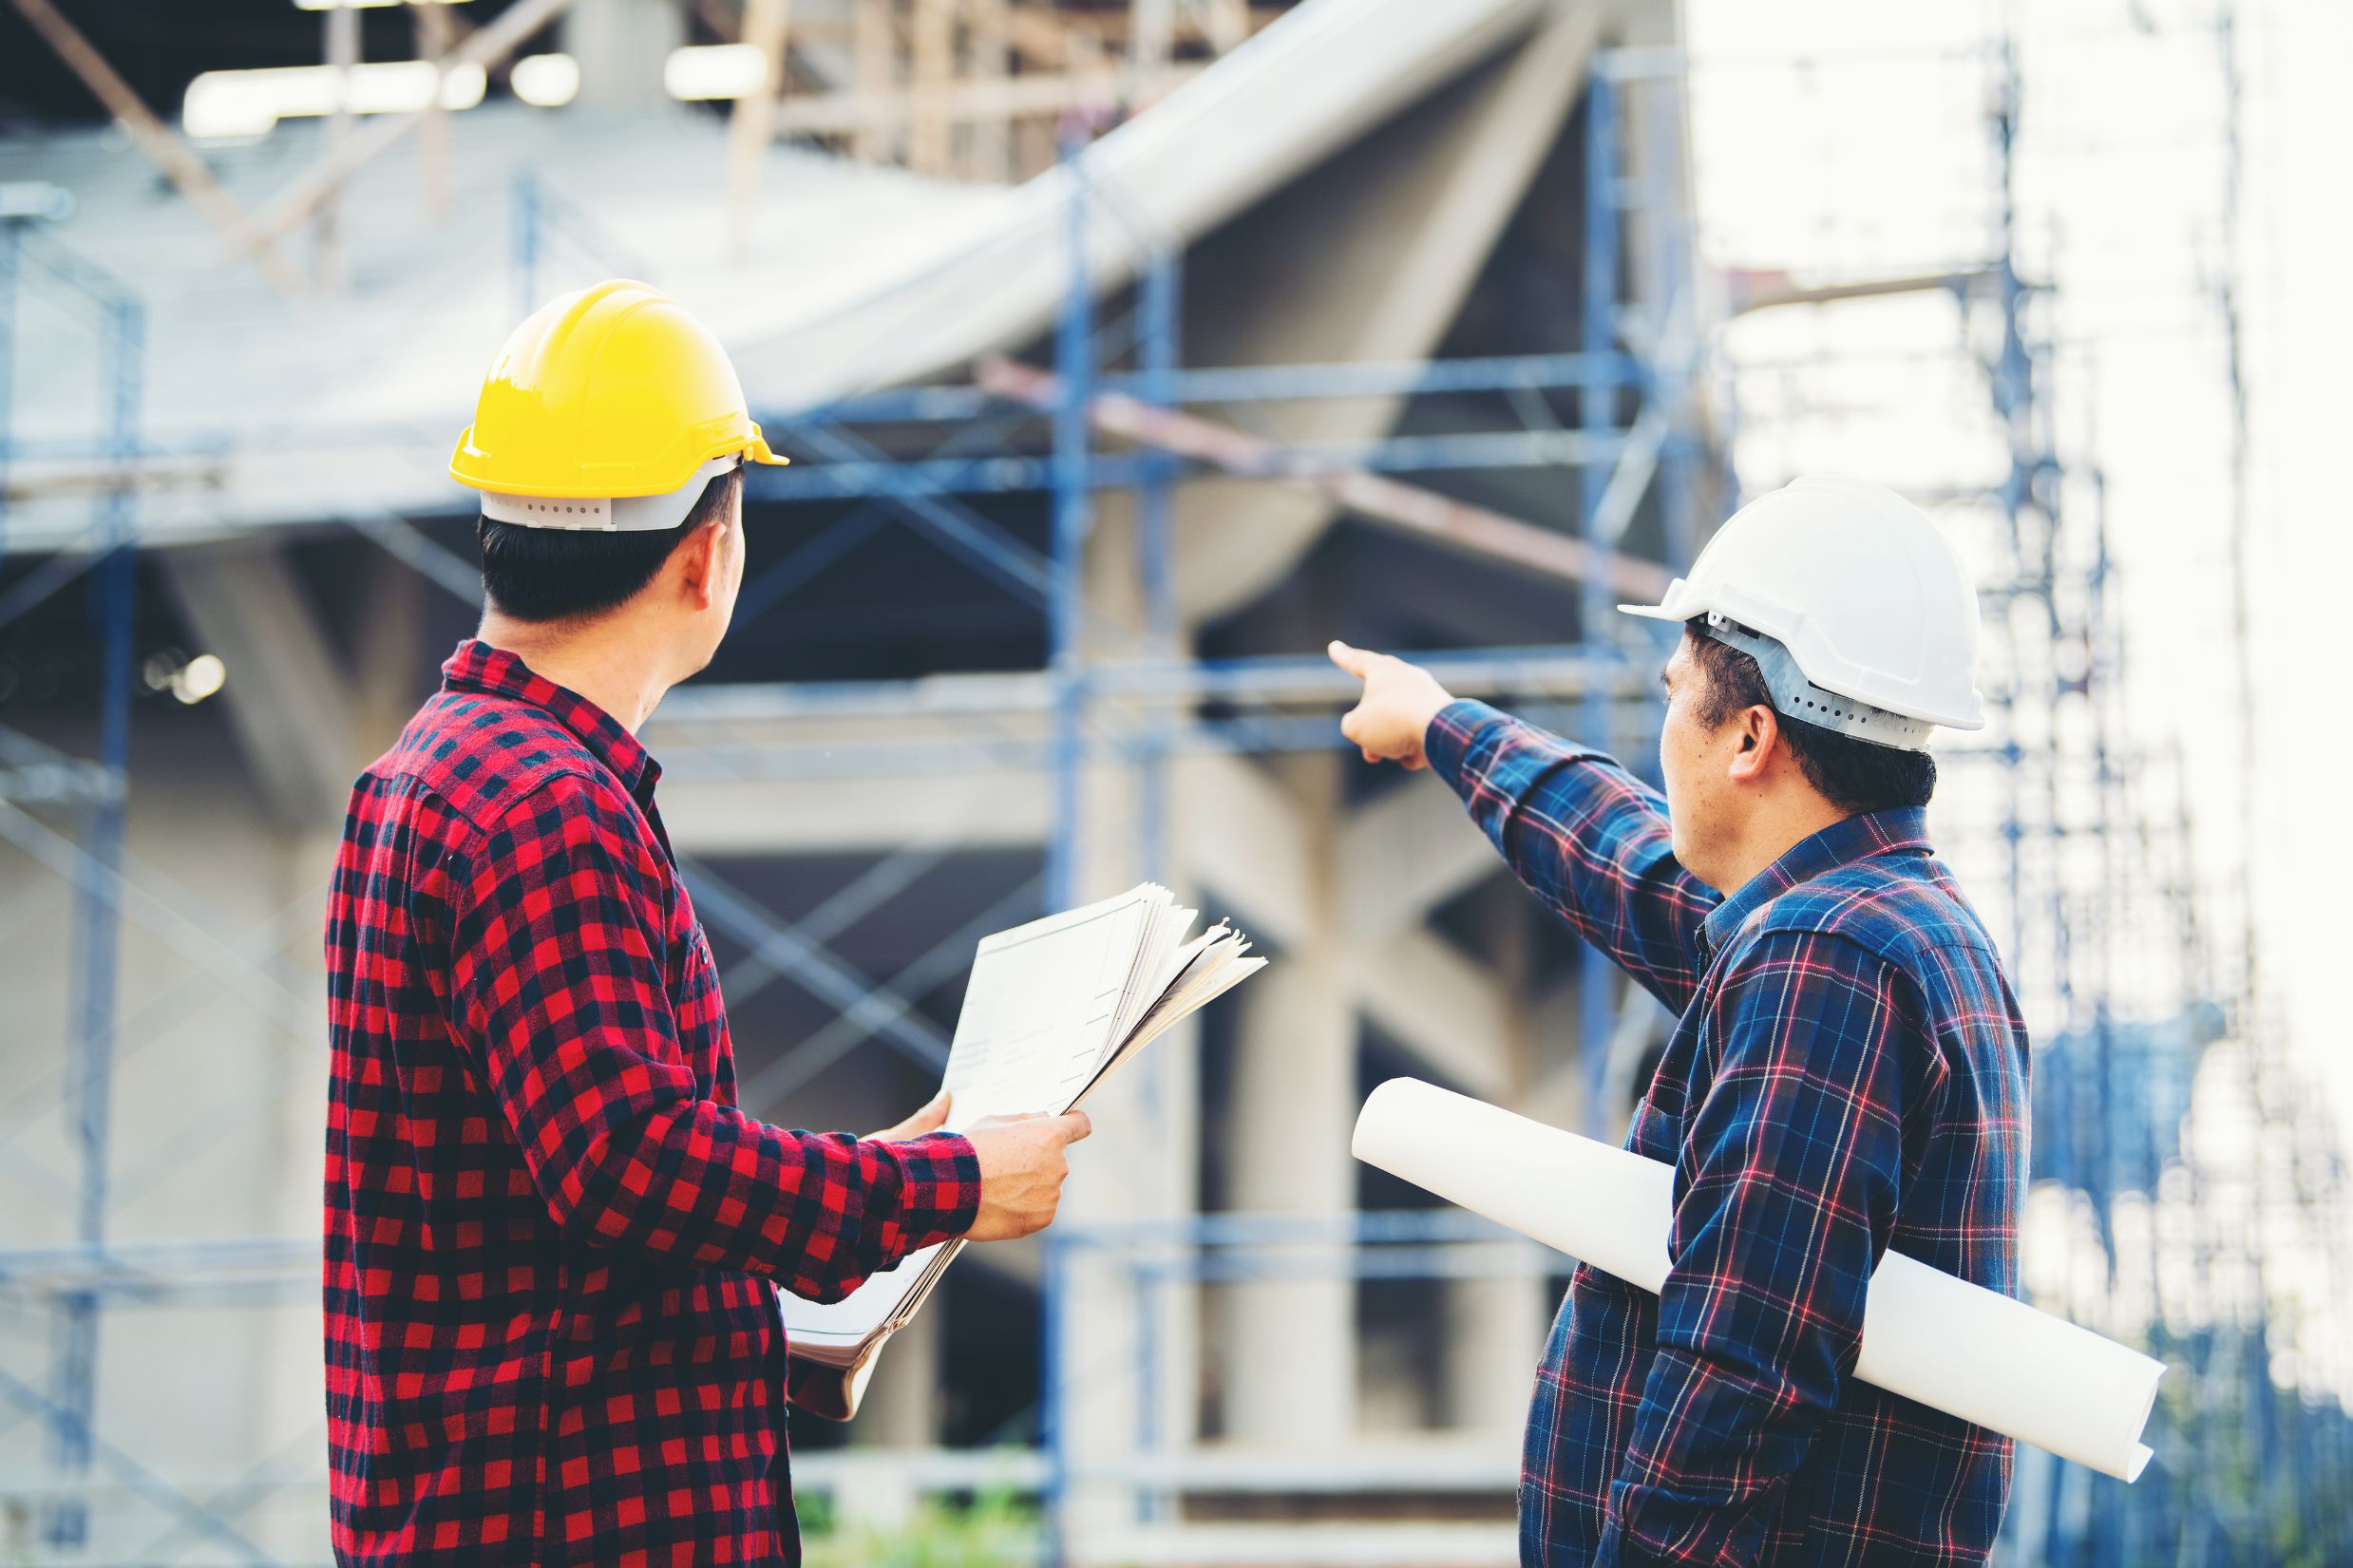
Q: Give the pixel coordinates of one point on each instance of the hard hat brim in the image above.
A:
(467, 469)
(1678, 606)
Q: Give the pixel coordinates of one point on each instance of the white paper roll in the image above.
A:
(1952, 1346)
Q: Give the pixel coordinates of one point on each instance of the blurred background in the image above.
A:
(1127, 351)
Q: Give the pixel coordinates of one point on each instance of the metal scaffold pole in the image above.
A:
(1074, 514)
(96, 920)
(1160, 305)
(1596, 411)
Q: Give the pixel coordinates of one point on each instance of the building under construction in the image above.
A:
(1126, 353)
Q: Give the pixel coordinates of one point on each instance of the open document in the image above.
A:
(1052, 1009)
(1928, 1335)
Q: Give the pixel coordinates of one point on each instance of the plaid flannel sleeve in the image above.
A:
(1585, 836)
(554, 975)
(1786, 1192)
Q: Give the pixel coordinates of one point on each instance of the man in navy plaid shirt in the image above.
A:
(1847, 1072)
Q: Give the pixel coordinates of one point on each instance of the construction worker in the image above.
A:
(552, 1238)
(1847, 1073)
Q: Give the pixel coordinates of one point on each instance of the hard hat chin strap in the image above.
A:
(1796, 697)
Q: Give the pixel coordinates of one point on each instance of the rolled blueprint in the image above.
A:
(1952, 1346)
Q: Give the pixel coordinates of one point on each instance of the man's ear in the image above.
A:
(1759, 736)
(697, 563)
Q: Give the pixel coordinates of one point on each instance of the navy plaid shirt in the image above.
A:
(550, 1233)
(1848, 1074)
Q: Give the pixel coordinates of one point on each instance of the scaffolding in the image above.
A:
(1120, 696)
(2150, 1218)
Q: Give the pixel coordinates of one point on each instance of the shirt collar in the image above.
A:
(1904, 828)
(477, 667)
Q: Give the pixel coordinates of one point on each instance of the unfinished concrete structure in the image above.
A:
(1028, 646)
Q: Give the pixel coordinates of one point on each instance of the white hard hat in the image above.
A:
(1856, 610)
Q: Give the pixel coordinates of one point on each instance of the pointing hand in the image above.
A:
(1400, 701)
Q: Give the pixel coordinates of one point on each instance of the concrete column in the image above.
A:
(1290, 1367)
(621, 46)
(901, 1406)
(1494, 1335)
(286, 696)
(1131, 1348)
(1105, 1364)
(1495, 1328)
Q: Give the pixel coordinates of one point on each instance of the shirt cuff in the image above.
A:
(1453, 729)
(938, 1190)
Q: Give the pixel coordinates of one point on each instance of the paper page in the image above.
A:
(1052, 1007)
(1147, 979)
(1035, 1027)
(1039, 1011)
(1952, 1346)
(1211, 986)
(1216, 974)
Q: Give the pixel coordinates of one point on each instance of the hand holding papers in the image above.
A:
(1053, 1009)
(1952, 1346)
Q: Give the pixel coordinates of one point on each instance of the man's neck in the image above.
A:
(1774, 835)
(603, 662)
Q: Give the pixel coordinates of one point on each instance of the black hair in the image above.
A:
(561, 573)
(1854, 775)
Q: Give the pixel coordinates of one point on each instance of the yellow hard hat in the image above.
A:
(613, 392)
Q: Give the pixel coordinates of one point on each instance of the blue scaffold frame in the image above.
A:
(1612, 387)
(28, 256)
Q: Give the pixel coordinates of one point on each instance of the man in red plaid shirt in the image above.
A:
(552, 1238)
(1848, 1071)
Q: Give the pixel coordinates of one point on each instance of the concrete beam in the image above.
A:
(1374, 267)
(1452, 1014)
(1402, 854)
(823, 816)
(1248, 841)
(1409, 508)
(293, 711)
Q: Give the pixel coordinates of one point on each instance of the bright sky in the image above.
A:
(1848, 138)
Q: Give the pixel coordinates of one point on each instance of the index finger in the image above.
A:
(1354, 660)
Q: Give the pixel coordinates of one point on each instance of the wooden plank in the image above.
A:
(162, 148)
(875, 70)
(1009, 98)
(1375, 497)
(752, 124)
(486, 46)
(930, 144)
(435, 38)
(1227, 24)
(988, 61)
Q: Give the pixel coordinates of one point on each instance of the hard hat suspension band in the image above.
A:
(548, 511)
(617, 514)
(1796, 697)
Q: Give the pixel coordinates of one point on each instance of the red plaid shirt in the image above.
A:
(1848, 1074)
(551, 1334)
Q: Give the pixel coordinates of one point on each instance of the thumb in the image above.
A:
(1354, 660)
(1075, 1124)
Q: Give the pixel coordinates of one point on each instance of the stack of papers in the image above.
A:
(1053, 1009)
